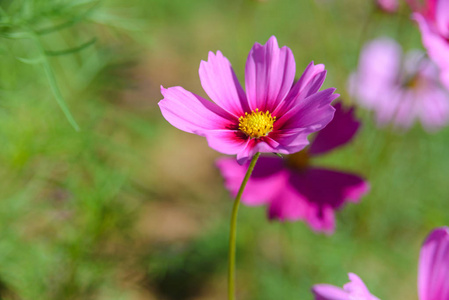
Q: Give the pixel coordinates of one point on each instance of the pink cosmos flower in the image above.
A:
(294, 190)
(433, 274)
(274, 115)
(389, 6)
(433, 22)
(399, 91)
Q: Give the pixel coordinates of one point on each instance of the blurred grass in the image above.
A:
(131, 208)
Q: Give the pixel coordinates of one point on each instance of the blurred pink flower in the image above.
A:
(433, 21)
(354, 290)
(389, 6)
(272, 116)
(399, 91)
(294, 190)
(433, 274)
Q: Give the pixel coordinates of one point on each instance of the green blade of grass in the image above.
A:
(72, 50)
(53, 84)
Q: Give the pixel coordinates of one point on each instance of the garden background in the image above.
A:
(129, 207)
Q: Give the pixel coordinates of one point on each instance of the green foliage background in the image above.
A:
(100, 198)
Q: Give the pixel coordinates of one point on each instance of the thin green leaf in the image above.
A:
(71, 50)
(54, 85)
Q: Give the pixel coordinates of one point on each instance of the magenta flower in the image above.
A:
(354, 290)
(272, 116)
(433, 274)
(294, 190)
(433, 21)
(399, 91)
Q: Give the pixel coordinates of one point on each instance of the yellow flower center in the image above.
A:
(256, 124)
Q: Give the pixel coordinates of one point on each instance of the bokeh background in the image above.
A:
(129, 207)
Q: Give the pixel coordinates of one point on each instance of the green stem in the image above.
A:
(233, 233)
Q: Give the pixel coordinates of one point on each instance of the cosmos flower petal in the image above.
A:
(221, 84)
(191, 113)
(379, 64)
(291, 140)
(269, 74)
(310, 82)
(288, 205)
(437, 47)
(225, 141)
(442, 17)
(312, 113)
(304, 88)
(329, 292)
(406, 111)
(434, 110)
(267, 178)
(433, 270)
(262, 145)
(338, 132)
(353, 290)
(357, 288)
(309, 75)
(387, 107)
(320, 192)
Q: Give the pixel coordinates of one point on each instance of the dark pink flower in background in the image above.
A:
(389, 6)
(274, 115)
(399, 90)
(354, 290)
(433, 21)
(433, 274)
(292, 188)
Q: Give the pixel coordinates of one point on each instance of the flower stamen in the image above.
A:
(256, 124)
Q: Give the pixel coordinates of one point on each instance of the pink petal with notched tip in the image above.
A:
(329, 292)
(269, 75)
(311, 114)
(191, 113)
(354, 290)
(221, 84)
(309, 83)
